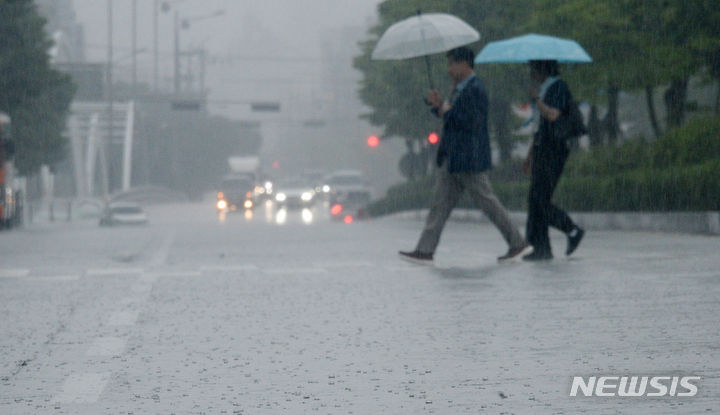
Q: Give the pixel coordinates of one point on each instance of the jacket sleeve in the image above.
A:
(472, 103)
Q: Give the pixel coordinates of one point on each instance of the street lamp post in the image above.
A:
(177, 25)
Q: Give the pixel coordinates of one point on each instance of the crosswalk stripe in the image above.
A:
(124, 318)
(283, 271)
(229, 268)
(107, 346)
(83, 388)
(14, 272)
(101, 272)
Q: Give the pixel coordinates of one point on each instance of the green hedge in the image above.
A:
(678, 172)
(696, 142)
(677, 188)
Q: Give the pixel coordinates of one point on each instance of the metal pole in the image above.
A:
(176, 76)
(110, 97)
(155, 46)
(134, 46)
(203, 57)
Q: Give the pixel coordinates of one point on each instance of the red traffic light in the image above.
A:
(373, 141)
(433, 138)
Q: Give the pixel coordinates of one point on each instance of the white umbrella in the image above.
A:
(423, 35)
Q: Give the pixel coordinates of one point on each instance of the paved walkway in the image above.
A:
(326, 319)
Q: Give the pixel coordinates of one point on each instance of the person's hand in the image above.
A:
(533, 93)
(527, 165)
(434, 99)
(445, 107)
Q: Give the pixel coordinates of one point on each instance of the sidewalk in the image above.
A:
(707, 223)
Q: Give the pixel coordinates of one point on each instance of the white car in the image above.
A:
(295, 193)
(123, 213)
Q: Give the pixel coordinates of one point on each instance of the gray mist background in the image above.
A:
(296, 52)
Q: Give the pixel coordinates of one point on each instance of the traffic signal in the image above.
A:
(373, 141)
(433, 138)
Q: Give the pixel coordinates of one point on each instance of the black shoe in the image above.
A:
(515, 252)
(538, 256)
(574, 241)
(416, 257)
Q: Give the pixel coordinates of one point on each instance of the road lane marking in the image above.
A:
(83, 388)
(107, 346)
(171, 274)
(229, 268)
(124, 318)
(286, 271)
(344, 264)
(14, 272)
(102, 272)
(57, 278)
(160, 256)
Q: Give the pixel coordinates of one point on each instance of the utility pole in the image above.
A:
(110, 97)
(134, 46)
(155, 46)
(176, 56)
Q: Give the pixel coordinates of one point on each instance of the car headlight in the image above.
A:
(280, 197)
(222, 205)
(306, 196)
(326, 189)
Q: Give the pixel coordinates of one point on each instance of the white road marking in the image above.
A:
(14, 272)
(101, 272)
(57, 278)
(160, 256)
(285, 271)
(83, 388)
(171, 274)
(408, 268)
(124, 318)
(344, 264)
(107, 346)
(229, 268)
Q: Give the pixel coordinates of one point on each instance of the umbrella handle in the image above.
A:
(427, 67)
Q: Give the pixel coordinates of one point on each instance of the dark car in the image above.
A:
(236, 192)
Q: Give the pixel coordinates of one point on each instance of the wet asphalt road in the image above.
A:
(196, 315)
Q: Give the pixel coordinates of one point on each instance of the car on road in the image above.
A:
(349, 194)
(123, 213)
(295, 193)
(237, 191)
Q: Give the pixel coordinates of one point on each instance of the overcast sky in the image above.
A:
(250, 31)
(276, 50)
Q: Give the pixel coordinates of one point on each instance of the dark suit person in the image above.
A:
(463, 159)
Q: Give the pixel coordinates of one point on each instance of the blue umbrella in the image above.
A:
(533, 47)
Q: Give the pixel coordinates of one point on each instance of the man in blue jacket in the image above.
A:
(463, 159)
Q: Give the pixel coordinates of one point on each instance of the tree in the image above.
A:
(636, 44)
(36, 97)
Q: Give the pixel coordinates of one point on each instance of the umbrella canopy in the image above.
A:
(422, 35)
(533, 47)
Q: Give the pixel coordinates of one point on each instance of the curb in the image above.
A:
(704, 223)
